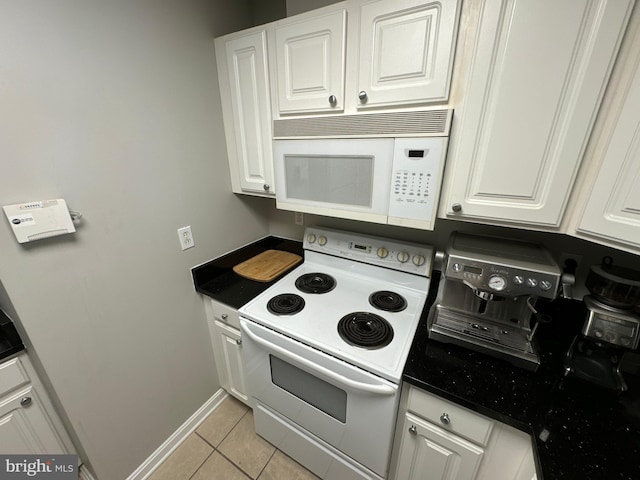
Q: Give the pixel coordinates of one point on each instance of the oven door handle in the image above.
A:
(365, 387)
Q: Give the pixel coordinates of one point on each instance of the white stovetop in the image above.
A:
(316, 324)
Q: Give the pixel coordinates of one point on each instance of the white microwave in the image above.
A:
(394, 181)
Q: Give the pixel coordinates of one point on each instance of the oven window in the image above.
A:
(316, 392)
(341, 179)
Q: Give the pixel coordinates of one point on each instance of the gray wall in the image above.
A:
(114, 106)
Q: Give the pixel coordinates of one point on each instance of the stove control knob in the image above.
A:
(311, 238)
(545, 285)
(382, 252)
(532, 282)
(518, 279)
(322, 240)
(418, 260)
(456, 267)
(598, 333)
(403, 257)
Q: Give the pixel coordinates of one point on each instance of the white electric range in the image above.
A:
(325, 346)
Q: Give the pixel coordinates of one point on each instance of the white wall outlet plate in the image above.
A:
(186, 237)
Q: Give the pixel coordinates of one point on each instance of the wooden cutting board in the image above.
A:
(267, 265)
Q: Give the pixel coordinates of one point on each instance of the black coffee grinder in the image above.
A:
(612, 327)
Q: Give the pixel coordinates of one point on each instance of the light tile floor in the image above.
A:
(226, 447)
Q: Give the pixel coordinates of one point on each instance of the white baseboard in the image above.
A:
(163, 451)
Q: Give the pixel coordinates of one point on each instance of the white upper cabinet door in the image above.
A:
(406, 51)
(310, 62)
(612, 211)
(535, 82)
(247, 111)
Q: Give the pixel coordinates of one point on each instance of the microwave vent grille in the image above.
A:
(433, 123)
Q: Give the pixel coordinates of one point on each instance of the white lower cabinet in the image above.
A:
(439, 440)
(28, 424)
(429, 452)
(227, 348)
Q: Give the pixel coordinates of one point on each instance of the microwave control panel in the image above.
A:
(415, 180)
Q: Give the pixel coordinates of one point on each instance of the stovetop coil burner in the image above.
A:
(364, 329)
(387, 301)
(285, 304)
(315, 283)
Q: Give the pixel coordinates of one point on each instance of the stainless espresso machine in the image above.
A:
(486, 299)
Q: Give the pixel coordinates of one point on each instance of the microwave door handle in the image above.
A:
(365, 387)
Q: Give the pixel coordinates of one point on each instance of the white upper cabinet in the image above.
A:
(310, 59)
(612, 209)
(406, 52)
(536, 73)
(362, 54)
(244, 90)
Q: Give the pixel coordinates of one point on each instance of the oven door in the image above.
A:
(345, 406)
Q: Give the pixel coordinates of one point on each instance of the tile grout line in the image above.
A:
(216, 449)
(203, 462)
(226, 435)
(234, 463)
(267, 462)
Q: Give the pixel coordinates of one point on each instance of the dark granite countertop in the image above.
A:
(217, 279)
(10, 341)
(579, 431)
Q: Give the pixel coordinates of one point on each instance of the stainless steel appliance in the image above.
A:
(486, 300)
(612, 327)
(325, 347)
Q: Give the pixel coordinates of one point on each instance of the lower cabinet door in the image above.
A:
(25, 428)
(228, 353)
(428, 452)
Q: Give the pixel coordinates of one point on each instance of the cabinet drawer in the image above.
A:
(225, 314)
(12, 375)
(451, 417)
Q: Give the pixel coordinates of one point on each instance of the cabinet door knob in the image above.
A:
(266, 187)
(444, 418)
(363, 96)
(224, 316)
(26, 401)
(413, 430)
(239, 341)
(456, 207)
(333, 100)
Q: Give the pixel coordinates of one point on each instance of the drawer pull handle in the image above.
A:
(239, 341)
(225, 316)
(413, 430)
(444, 418)
(26, 401)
